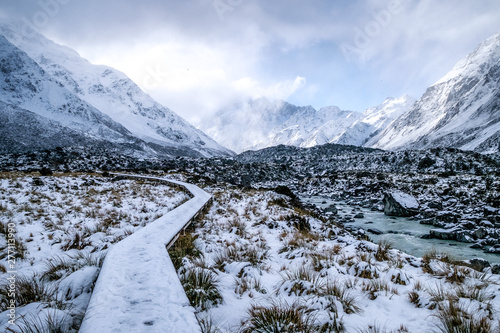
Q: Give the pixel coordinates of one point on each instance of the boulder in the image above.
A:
(447, 234)
(332, 209)
(359, 216)
(464, 236)
(488, 210)
(375, 231)
(480, 233)
(478, 264)
(448, 217)
(397, 203)
(430, 221)
(466, 224)
(435, 205)
(494, 249)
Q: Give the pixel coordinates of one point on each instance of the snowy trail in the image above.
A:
(138, 289)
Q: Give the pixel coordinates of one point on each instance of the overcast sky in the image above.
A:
(196, 56)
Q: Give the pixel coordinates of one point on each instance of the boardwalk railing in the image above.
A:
(138, 289)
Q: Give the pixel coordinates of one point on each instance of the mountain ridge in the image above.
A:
(460, 110)
(113, 95)
(261, 123)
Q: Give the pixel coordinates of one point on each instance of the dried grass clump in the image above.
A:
(279, 317)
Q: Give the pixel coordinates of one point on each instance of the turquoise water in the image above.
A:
(404, 234)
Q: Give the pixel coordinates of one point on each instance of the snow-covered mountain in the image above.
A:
(375, 119)
(54, 82)
(261, 123)
(461, 110)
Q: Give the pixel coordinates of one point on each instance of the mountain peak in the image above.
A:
(484, 56)
(460, 110)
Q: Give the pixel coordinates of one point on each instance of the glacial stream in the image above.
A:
(404, 234)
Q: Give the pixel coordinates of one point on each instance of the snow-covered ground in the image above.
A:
(138, 289)
(257, 261)
(269, 264)
(63, 226)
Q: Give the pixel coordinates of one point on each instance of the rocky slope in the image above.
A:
(461, 110)
(103, 91)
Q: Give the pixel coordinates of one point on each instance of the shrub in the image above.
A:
(301, 223)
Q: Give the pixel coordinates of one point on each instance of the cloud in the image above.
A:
(280, 90)
(195, 57)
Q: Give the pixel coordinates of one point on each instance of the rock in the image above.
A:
(375, 231)
(397, 203)
(332, 209)
(447, 234)
(479, 264)
(494, 249)
(448, 217)
(359, 216)
(466, 224)
(430, 221)
(495, 269)
(488, 210)
(486, 224)
(464, 236)
(476, 246)
(479, 233)
(435, 205)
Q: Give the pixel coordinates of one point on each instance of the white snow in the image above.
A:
(459, 110)
(138, 289)
(404, 199)
(107, 90)
(49, 216)
(261, 123)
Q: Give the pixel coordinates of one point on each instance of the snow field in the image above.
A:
(138, 289)
(275, 265)
(64, 225)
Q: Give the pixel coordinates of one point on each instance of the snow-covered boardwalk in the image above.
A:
(138, 289)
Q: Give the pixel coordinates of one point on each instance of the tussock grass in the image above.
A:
(456, 318)
(76, 242)
(457, 274)
(52, 321)
(440, 294)
(343, 294)
(201, 288)
(208, 325)
(27, 290)
(61, 266)
(373, 287)
(383, 251)
(183, 247)
(248, 284)
(279, 317)
(377, 328)
(255, 254)
(301, 281)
